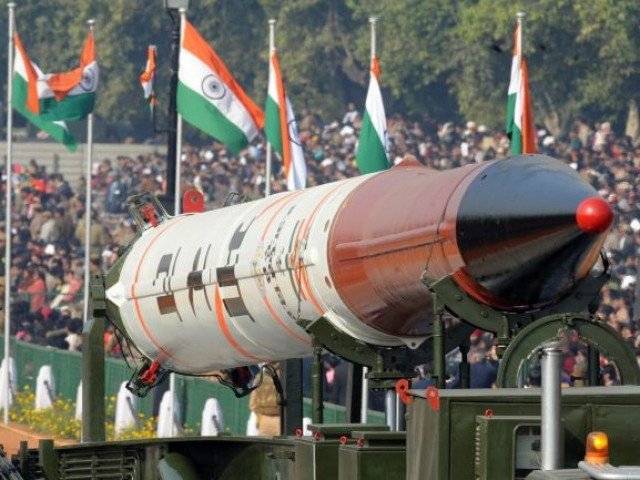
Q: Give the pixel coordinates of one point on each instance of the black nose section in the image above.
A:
(518, 232)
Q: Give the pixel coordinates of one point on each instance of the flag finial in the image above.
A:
(372, 22)
(272, 35)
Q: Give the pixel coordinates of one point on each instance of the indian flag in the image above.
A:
(282, 130)
(519, 126)
(147, 77)
(71, 95)
(371, 155)
(25, 97)
(208, 96)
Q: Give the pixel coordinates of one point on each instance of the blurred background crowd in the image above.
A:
(48, 216)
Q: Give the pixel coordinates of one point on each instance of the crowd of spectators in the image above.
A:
(48, 216)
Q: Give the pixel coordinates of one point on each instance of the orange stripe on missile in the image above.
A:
(136, 304)
(224, 328)
(268, 207)
(278, 210)
(283, 324)
(302, 274)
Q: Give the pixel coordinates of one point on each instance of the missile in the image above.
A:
(232, 287)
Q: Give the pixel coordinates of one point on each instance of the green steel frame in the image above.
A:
(598, 334)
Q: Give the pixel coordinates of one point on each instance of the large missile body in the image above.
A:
(229, 287)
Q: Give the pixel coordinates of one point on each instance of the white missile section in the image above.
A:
(225, 288)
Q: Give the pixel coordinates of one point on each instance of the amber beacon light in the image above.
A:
(597, 448)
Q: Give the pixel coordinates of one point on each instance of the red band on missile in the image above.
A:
(388, 231)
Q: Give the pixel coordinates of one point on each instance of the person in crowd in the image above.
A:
(68, 290)
(263, 401)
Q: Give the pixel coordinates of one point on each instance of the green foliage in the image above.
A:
(447, 59)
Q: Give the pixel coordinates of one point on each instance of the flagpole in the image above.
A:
(372, 22)
(7, 216)
(88, 203)
(520, 16)
(272, 48)
(177, 204)
(364, 404)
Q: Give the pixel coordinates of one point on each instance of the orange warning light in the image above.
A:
(597, 448)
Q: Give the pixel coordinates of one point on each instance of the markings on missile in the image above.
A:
(206, 256)
(302, 274)
(195, 280)
(196, 258)
(282, 323)
(163, 352)
(236, 241)
(226, 276)
(175, 261)
(236, 307)
(286, 199)
(224, 328)
(274, 262)
(271, 259)
(231, 296)
(291, 276)
(164, 265)
(167, 302)
(167, 305)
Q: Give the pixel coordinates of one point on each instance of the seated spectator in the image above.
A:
(68, 290)
(35, 289)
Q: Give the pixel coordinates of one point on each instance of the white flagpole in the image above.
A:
(267, 167)
(177, 204)
(7, 248)
(87, 204)
(365, 370)
(178, 200)
(372, 23)
(520, 17)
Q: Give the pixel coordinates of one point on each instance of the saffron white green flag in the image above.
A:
(25, 97)
(519, 125)
(282, 130)
(71, 95)
(208, 96)
(371, 155)
(147, 77)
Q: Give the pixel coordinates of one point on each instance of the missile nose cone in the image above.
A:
(594, 215)
(529, 229)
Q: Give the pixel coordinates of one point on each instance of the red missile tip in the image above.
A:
(594, 215)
